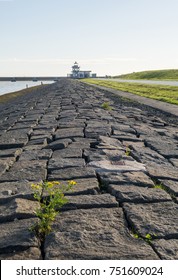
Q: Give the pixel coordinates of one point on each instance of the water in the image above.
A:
(168, 83)
(7, 87)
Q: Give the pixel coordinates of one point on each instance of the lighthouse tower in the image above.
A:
(75, 70)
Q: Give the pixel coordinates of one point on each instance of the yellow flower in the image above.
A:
(56, 182)
(72, 182)
(50, 184)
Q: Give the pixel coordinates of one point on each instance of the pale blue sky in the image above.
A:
(109, 37)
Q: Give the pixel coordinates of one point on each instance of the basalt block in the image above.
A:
(59, 144)
(32, 253)
(167, 249)
(160, 220)
(131, 193)
(71, 174)
(18, 209)
(131, 178)
(60, 163)
(26, 170)
(90, 234)
(16, 236)
(11, 190)
(90, 201)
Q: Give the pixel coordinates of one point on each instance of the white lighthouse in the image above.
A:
(75, 70)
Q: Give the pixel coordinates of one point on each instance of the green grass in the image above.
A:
(9, 96)
(163, 93)
(170, 74)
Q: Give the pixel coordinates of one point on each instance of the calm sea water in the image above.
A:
(7, 87)
(168, 83)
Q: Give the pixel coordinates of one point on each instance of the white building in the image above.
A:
(80, 74)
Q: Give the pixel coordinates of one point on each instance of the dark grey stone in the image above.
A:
(32, 253)
(26, 170)
(67, 153)
(167, 249)
(16, 236)
(90, 201)
(170, 185)
(72, 174)
(94, 234)
(59, 144)
(131, 193)
(167, 172)
(44, 154)
(11, 190)
(133, 178)
(59, 163)
(160, 220)
(18, 209)
(68, 133)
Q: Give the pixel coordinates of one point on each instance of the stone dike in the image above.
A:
(125, 163)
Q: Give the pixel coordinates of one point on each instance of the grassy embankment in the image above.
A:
(164, 93)
(170, 74)
(9, 96)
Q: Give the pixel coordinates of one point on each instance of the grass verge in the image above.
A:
(163, 93)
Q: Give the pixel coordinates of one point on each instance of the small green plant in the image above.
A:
(50, 196)
(127, 151)
(159, 187)
(135, 235)
(148, 237)
(106, 106)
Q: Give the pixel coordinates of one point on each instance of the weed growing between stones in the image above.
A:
(106, 106)
(51, 198)
(127, 151)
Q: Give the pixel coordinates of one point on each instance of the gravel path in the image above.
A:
(117, 158)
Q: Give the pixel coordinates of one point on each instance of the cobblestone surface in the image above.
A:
(125, 163)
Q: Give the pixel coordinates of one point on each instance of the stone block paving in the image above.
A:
(125, 163)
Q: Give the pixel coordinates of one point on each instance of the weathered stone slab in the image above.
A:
(67, 153)
(90, 201)
(95, 132)
(84, 186)
(11, 190)
(44, 154)
(167, 249)
(174, 161)
(167, 172)
(18, 209)
(160, 220)
(117, 166)
(26, 170)
(74, 124)
(80, 144)
(163, 145)
(93, 154)
(29, 254)
(10, 153)
(59, 163)
(118, 128)
(59, 144)
(69, 133)
(3, 167)
(43, 141)
(131, 193)
(133, 178)
(146, 155)
(109, 141)
(72, 174)
(16, 236)
(94, 234)
(171, 186)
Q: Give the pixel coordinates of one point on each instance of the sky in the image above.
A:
(108, 37)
